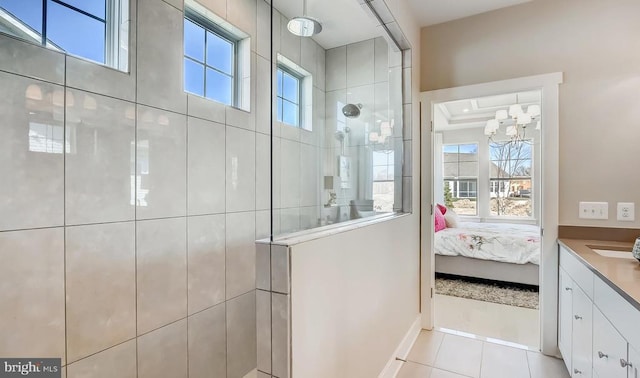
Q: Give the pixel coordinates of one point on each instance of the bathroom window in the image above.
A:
(460, 164)
(217, 60)
(293, 100)
(209, 61)
(96, 30)
(289, 97)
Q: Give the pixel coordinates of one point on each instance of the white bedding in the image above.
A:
(504, 242)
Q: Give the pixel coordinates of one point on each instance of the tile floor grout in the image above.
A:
(546, 363)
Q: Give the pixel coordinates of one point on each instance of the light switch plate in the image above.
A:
(626, 211)
(594, 210)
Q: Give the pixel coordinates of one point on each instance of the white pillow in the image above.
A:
(451, 218)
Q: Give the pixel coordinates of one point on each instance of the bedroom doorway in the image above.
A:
(486, 185)
(489, 210)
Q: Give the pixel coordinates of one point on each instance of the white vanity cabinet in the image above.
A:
(608, 348)
(575, 315)
(581, 337)
(634, 363)
(565, 308)
(598, 327)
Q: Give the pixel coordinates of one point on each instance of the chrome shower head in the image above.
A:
(351, 110)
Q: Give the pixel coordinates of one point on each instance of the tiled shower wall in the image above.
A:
(297, 152)
(365, 73)
(129, 209)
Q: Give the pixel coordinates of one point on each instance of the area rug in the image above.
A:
(488, 291)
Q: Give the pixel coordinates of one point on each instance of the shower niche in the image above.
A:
(337, 142)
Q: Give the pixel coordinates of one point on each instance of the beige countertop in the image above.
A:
(623, 275)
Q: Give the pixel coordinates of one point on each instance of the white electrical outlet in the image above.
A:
(626, 211)
(594, 210)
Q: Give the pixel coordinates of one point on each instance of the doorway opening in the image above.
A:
(486, 185)
(489, 210)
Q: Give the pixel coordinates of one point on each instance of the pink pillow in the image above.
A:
(440, 223)
(442, 208)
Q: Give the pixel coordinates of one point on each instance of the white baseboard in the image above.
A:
(402, 351)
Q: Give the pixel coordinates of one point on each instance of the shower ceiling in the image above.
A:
(343, 21)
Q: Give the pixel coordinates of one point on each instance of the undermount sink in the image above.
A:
(614, 253)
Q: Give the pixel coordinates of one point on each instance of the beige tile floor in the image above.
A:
(491, 320)
(437, 354)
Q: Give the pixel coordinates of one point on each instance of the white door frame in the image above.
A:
(549, 85)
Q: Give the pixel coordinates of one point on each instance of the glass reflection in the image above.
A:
(356, 124)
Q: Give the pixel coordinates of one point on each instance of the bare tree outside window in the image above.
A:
(510, 178)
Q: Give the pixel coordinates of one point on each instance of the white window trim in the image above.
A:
(306, 91)
(242, 60)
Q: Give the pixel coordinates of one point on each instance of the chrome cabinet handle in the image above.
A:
(624, 363)
(568, 288)
(602, 355)
(578, 317)
(576, 371)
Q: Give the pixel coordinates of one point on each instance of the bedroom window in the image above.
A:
(460, 163)
(510, 185)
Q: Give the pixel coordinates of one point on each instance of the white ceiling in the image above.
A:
(464, 114)
(343, 21)
(431, 12)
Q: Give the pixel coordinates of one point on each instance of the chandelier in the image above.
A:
(515, 121)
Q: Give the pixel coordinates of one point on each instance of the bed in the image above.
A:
(496, 251)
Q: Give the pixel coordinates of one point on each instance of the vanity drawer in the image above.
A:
(580, 274)
(620, 313)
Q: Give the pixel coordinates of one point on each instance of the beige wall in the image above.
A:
(596, 45)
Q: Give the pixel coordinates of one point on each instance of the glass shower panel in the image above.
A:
(344, 162)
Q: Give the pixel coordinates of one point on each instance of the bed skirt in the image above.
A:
(492, 270)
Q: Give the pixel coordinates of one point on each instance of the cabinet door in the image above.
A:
(581, 335)
(565, 314)
(634, 363)
(608, 348)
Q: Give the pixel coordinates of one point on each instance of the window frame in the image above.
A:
(506, 180)
(457, 179)
(116, 12)
(211, 27)
(299, 95)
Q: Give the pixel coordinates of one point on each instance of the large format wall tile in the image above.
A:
(101, 287)
(100, 159)
(31, 153)
(243, 15)
(206, 167)
(336, 68)
(163, 352)
(206, 261)
(161, 172)
(241, 335)
(119, 361)
(162, 272)
(31, 60)
(87, 75)
(32, 293)
(263, 171)
(208, 343)
(159, 59)
(290, 173)
(241, 170)
(263, 329)
(280, 335)
(241, 253)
